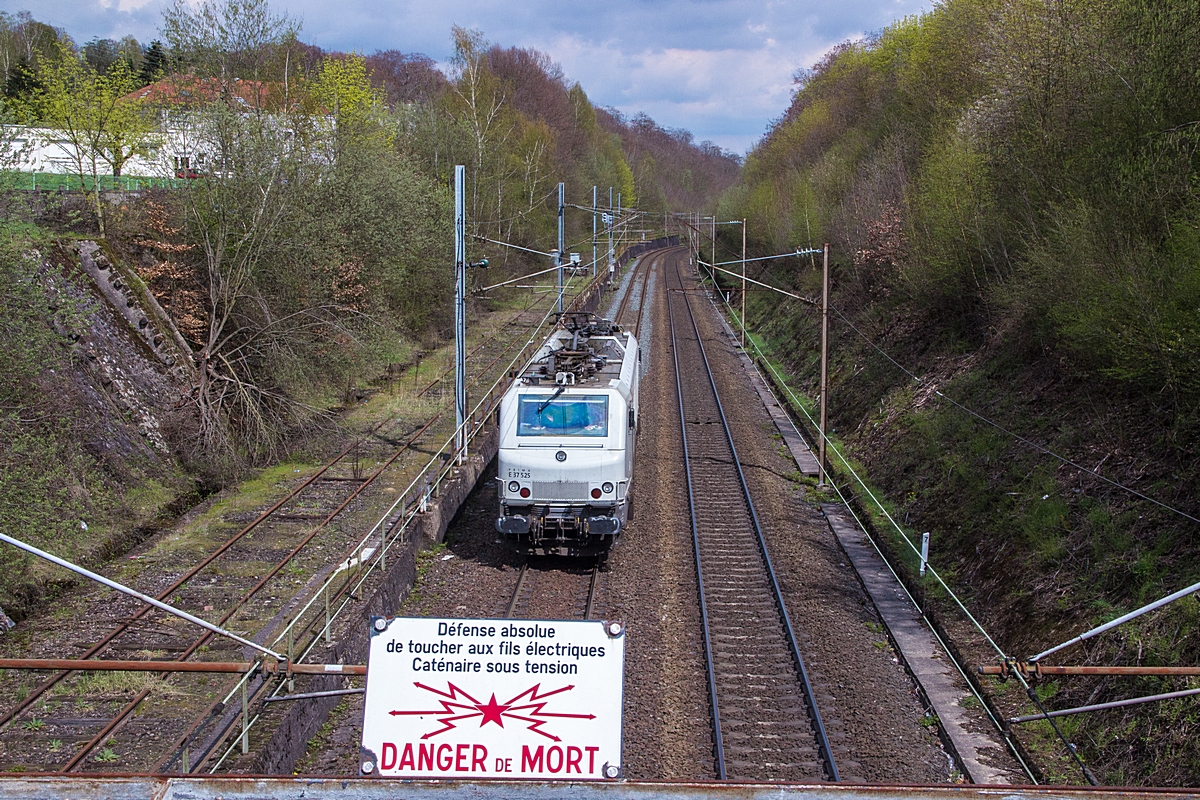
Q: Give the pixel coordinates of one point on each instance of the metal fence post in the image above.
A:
(291, 681)
(245, 718)
(327, 639)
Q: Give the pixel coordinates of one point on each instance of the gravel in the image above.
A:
(870, 704)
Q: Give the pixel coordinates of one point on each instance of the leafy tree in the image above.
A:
(22, 86)
(95, 119)
(406, 77)
(481, 108)
(25, 41)
(154, 63)
(342, 89)
(132, 52)
(101, 54)
(236, 219)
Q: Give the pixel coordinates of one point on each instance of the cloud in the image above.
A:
(719, 68)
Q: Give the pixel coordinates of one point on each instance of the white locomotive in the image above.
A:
(567, 431)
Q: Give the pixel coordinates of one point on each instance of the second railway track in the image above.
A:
(766, 722)
(246, 581)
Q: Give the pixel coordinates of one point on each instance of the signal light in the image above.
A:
(596, 493)
(524, 491)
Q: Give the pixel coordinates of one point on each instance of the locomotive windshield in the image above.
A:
(576, 415)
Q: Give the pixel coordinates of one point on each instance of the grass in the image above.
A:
(148, 497)
(100, 684)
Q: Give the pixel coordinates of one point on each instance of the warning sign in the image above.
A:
(471, 699)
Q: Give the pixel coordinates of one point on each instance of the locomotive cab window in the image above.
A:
(576, 415)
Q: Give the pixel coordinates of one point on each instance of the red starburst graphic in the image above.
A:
(527, 707)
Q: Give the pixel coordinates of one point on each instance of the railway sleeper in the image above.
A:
(756, 727)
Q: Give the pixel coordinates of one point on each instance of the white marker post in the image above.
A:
(507, 699)
(924, 552)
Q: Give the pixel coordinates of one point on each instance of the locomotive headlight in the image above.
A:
(514, 487)
(606, 487)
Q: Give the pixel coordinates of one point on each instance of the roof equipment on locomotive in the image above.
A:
(567, 431)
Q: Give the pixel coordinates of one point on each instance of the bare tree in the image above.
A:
(231, 40)
(482, 107)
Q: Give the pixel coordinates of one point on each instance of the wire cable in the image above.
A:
(513, 246)
(1017, 436)
(795, 403)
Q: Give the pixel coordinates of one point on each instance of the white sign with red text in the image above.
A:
(471, 699)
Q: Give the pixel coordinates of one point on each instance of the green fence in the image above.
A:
(49, 181)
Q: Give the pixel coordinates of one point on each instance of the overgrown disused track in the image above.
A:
(251, 582)
(765, 720)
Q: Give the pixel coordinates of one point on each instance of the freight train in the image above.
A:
(567, 430)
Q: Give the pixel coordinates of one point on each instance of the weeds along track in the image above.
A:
(252, 582)
(766, 725)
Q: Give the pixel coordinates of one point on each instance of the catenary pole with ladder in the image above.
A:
(460, 313)
(712, 256)
(743, 284)
(824, 366)
(612, 261)
(558, 254)
(620, 231)
(594, 199)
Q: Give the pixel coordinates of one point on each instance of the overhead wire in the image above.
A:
(1029, 690)
(795, 403)
(510, 244)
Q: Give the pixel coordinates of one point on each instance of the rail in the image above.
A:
(806, 686)
(437, 469)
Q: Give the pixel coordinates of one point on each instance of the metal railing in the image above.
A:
(363, 561)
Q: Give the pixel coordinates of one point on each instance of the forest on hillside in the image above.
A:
(1011, 189)
(306, 247)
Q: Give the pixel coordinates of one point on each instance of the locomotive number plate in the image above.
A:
(518, 473)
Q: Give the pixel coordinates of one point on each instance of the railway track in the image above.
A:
(643, 273)
(766, 722)
(548, 585)
(230, 577)
(250, 578)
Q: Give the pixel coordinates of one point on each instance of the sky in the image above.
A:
(721, 69)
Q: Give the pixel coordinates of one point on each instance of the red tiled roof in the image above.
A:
(188, 90)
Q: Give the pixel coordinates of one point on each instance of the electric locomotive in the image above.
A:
(567, 430)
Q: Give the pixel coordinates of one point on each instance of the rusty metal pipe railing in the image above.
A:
(241, 667)
(1041, 670)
